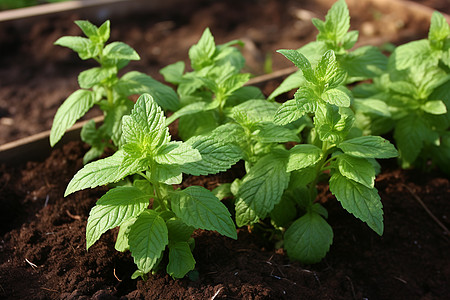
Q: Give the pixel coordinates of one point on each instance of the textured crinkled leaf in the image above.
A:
(336, 97)
(337, 23)
(177, 153)
(287, 113)
(303, 156)
(119, 50)
(146, 125)
(228, 133)
(369, 147)
(181, 260)
(439, 28)
(139, 83)
(121, 244)
(73, 108)
(327, 67)
(363, 202)
(148, 238)
(308, 239)
(112, 209)
(216, 156)
(258, 110)
(301, 62)
(307, 100)
(261, 189)
(357, 169)
(199, 208)
(83, 46)
(103, 171)
(412, 54)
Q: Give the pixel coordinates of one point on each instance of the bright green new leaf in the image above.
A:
(148, 237)
(201, 53)
(199, 208)
(363, 202)
(189, 109)
(369, 147)
(94, 76)
(168, 174)
(372, 106)
(179, 153)
(84, 47)
(293, 81)
(103, 171)
(308, 239)
(434, 107)
(336, 97)
(287, 113)
(301, 62)
(357, 169)
(365, 62)
(272, 133)
(173, 73)
(327, 67)
(337, 23)
(414, 53)
(261, 189)
(89, 29)
(303, 156)
(75, 106)
(439, 28)
(216, 156)
(181, 260)
(119, 50)
(257, 110)
(112, 209)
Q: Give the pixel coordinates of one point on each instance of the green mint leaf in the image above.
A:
(368, 147)
(89, 29)
(244, 94)
(261, 189)
(84, 47)
(308, 239)
(197, 124)
(333, 122)
(178, 230)
(148, 238)
(414, 53)
(173, 73)
(112, 209)
(337, 23)
(199, 208)
(94, 76)
(272, 133)
(303, 156)
(350, 39)
(181, 260)
(257, 110)
(177, 153)
(301, 62)
(216, 156)
(223, 191)
(168, 174)
(104, 31)
(357, 169)
(284, 212)
(189, 109)
(363, 202)
(293, 81)
(73, 108)
(336, 97)
(287, 113)
(307, 100)
(104, 171)
(121, 244)
(327, 68)
(372, 106)
(201, 54)
(119, 50)
(139, 83)
(434, 107)
(146, 126)
(302, 177)
(228, 133)
(363, 63)
(410, 134)
(439, 29)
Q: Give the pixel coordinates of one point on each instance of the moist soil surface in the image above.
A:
(36, 76)
(43, 254)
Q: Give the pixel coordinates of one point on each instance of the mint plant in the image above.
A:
(282, 184)
(413, 99)
(152, 216)
(214, 85)
(362, 63)
(102, 86)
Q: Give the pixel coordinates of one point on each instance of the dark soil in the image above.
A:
(42, 249)
(36, 76)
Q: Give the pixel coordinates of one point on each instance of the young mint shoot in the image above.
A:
(152, 216)
(102, 86)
